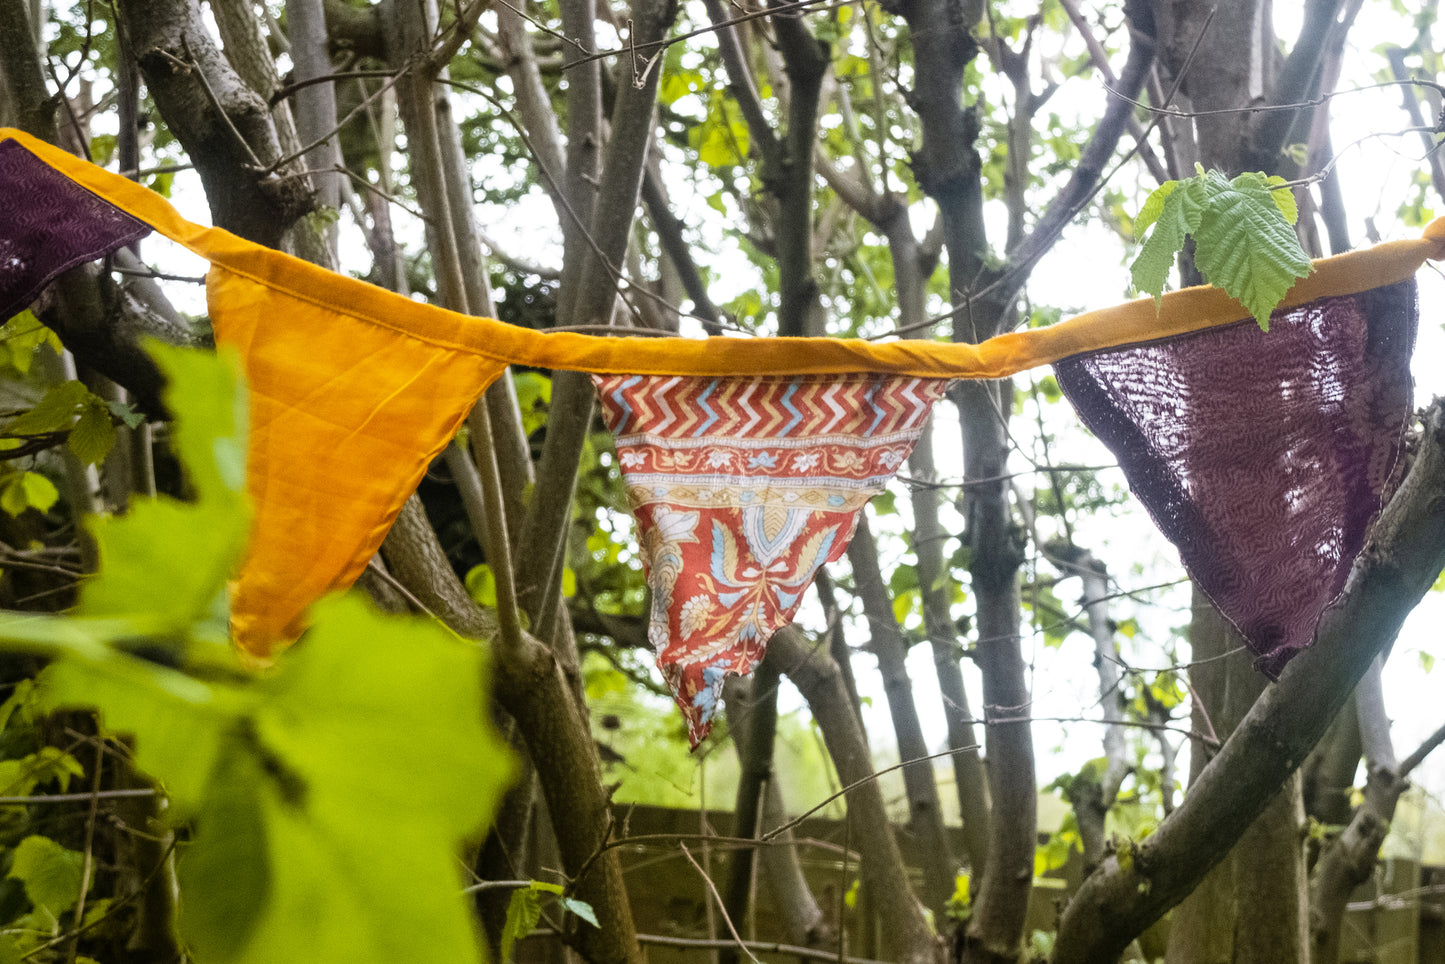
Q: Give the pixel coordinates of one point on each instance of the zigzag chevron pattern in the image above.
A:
(771, 408)
(743, 488)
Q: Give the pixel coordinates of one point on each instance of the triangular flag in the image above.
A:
(743, 487)
(346, 415)
(51, 224)
(1263, 456)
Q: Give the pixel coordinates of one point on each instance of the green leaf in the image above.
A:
(93, 435)
(534, 394)
(28, 490)
(1244, 245)
(1178, 216)
(329, 797)
(582, 909)
(904, 604)
(716, 149)
(166, 560)
(18, 778)
(1153, 206)
(182, 721)
(161, 183)
(126, 414)
(102, 148)
(301, 838)
(54, 412)
(232, 844)
(23, 335)
(20, 706)
(1283, 197)
(523, 912)
(339, 828)
(51, 874)
(1243, 240)
(482, 585)
(210, 437)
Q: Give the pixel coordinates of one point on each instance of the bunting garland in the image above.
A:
(1263, 456)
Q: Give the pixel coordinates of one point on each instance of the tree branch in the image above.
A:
(886, 642)
(1406, 553)
(1297, 81)
(591, 302)
(1085, 177)
(908, 935)
(531, 688)
(222, 123)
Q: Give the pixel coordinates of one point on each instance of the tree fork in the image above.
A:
(532, 689)
(225, 126)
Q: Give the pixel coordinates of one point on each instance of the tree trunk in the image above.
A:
(1251, 907)
(925, 812)
(908, 936)
(224, 125)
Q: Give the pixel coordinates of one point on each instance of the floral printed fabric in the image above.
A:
(742, 489)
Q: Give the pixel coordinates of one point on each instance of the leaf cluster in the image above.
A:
(1244, 241)
(311, 789)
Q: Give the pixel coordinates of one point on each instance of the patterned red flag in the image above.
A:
(743, 488)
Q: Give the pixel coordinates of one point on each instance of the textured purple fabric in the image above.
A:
(48, 225)
(1263, 456)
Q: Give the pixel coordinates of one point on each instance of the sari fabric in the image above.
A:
(743, 488)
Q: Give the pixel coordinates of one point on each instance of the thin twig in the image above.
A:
(1043, 243)
(497, 885)
(379, 192)
(784, 828)
(192, 64)
(913, 482)
(160, 276)
(762, 947)
(77, 797)
(87, 865)
(111, 911)
(825, 5)
(1421, 752)
(712, 888)
(1272, 108)
(355, 112)
(444, 47)
(1208, 739)
(555, 33)
(620, 280)
(292, 88)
